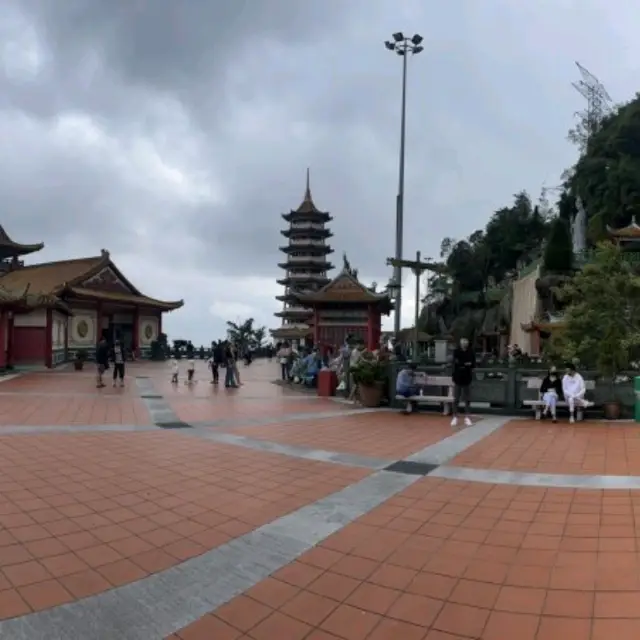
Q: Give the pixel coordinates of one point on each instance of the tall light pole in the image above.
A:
(403, 46)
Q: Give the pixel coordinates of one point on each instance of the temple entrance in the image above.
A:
(122, 331)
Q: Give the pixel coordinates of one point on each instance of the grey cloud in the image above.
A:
(243, 95)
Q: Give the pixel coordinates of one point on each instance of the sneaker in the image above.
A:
(454, 422)
(572, 420)
(114, 383)
(409, 407)
(467, 422)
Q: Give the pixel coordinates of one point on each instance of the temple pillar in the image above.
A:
(373, 328)
(135, 338)
(48, 340)
(535, 343)
(98, 322)
(66, 338)
(4, 319)
(8, 341)
(316, 327)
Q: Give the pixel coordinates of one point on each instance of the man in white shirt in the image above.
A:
(573, 389)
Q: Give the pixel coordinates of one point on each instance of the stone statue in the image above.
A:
(579, 229)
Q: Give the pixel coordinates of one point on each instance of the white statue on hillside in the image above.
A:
(579, 229)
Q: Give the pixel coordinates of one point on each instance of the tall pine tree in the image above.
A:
(558, 254)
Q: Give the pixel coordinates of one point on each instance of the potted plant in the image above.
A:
(370, 375)
(81, 357)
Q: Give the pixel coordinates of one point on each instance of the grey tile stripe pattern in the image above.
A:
(155, 607)
(101, 428)
(450, 447)
(549, 480)
(157, 406)
(320, 455)
(228, 423)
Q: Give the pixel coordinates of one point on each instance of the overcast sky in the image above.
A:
(174, 132)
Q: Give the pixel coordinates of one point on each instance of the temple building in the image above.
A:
(345, 308)
(626, 237)
(306, 266)
(538, 325)
(52, 310)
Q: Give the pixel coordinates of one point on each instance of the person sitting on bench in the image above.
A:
(405, 383)
(551, 393)
(574, 389)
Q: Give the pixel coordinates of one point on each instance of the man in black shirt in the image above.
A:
(217, 360)
(464, 361)
(102, 360)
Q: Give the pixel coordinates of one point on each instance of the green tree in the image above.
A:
(258, 337)
(244, 334)
(607, 175)
(602, 317)
(558, 254)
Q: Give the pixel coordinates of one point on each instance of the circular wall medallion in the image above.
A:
(82, 329)
(148, 332)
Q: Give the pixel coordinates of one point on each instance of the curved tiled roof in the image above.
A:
(67, 276)
(9, 248)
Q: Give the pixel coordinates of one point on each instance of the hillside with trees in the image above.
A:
(472, 292)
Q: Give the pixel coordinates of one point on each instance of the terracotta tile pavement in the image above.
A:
(448, 560)
(589, 448)
(385, 434)
(81, 513)
(222, 406)
(34, 409)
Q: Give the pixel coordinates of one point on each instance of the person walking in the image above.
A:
(118, 356)
(464, 362)
(229, 380)
(217, 359)
(236, 356)
(102, 361)
(284, 358)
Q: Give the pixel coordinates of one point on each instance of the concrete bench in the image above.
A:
(537, 405)
(444, 398)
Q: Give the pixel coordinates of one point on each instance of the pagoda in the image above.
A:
(305, 267)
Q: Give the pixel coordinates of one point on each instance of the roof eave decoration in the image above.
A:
(5, 240)
(632, 230)
(135, 299)
(325, 294)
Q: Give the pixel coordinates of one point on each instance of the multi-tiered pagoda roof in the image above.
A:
(305, 264)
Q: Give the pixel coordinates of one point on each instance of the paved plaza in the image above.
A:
(196, 513)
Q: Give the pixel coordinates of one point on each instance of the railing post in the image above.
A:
(512, 388)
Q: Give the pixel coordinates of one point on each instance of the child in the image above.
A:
(174, 371)
(191, 369)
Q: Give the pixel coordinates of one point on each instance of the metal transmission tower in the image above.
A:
(599, 104)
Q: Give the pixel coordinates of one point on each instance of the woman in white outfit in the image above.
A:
(574, 389)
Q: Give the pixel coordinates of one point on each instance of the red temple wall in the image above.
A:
(29, 345)
(335, 336)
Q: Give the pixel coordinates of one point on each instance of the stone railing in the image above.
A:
(504, 389)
